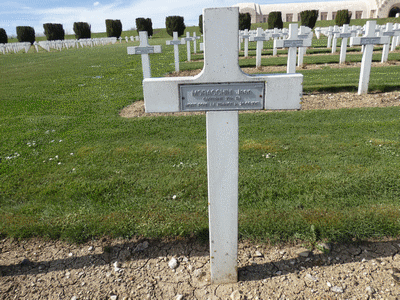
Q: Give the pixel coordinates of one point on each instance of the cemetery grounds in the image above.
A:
(95, 205)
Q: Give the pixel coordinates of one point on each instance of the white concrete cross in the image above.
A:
(305, 33)
(176, 42)
(292, 43)
(317, 32)
(329, 33)
(195, 38)
(245, 35)
(144, 49)
(187, 40)
(369, 40)
(275, 35)
(260, 37)
(396, 38)
(345, 34)
(221, 89)
(335, 31)
(388, 32)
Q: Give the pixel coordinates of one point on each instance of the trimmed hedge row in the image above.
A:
(82, 30)
(54, 32)
(3, 36)
(113, 28)
(175, 23)
(309, 18)
(244, 21)
(25, 34)
(343, 17)
(275, 20)
(143, 24)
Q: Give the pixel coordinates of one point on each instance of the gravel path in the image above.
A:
(144, 269)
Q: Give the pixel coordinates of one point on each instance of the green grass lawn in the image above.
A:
(71, 168)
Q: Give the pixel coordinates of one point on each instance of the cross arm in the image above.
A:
(282, 91)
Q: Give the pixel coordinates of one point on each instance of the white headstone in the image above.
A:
(275, 35)
(195, 38)
(144, 49)
(187, 40)
(246, 37)
(222, 89)
(396, 38)
(260, 37)
(334, 38)
(176, 42)
(388, 32)
(345, 34)
(305, 33)
(369, 40)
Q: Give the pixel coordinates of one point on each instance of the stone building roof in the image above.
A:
(327, 10)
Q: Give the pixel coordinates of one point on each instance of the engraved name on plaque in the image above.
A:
(223, 96)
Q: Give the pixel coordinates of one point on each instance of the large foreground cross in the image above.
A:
(222, 89)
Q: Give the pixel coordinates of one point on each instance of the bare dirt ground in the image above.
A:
(180, 269)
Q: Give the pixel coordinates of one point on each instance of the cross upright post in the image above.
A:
(144, 49)
(176, 42)
(368, 41)
(222, 89)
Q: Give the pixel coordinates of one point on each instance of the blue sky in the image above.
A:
(35, 13)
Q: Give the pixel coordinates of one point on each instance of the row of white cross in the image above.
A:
(296, 38)
(60, 44)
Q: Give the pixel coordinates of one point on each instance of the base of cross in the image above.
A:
(222, 89)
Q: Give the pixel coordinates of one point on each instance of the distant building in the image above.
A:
(361, 9)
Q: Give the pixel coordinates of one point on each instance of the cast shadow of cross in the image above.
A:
(18, 259)
(280, 262)
(273, 262)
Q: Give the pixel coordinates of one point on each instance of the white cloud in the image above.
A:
(96, 3)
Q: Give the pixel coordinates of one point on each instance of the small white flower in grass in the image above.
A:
(59, 163)
(174, 197)
(73, 169)
(56, 156)
(52, 141)
(60, 141)
(71, 154)
(50, 158)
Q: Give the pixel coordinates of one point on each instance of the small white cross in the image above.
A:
(305, 33)
(187, 40)
(292, 43)
(176, 42)
(144, 49)
(388, 32)
(260, 37)
(245, 35)
(344, 35)
(369, 40)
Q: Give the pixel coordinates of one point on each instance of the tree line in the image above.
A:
(82, 30)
